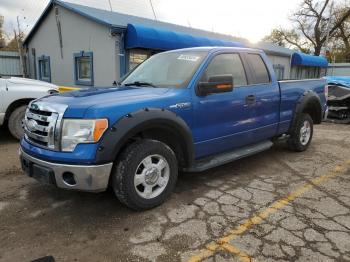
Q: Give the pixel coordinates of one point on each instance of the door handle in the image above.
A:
(250, 100)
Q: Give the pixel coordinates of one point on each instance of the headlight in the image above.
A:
(77, 131)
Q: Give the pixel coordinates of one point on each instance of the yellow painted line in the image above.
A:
(222, 243)
(63, 89)
(242, 256)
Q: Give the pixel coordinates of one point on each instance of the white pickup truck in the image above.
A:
(15, 95)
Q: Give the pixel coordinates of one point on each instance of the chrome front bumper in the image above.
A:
(92, 178)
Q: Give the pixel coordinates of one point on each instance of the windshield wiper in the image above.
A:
(139, 83)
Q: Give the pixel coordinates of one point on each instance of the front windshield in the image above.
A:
(170, 69)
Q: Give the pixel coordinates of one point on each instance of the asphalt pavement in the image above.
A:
(274, 206)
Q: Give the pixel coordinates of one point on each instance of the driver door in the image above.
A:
(223, 120)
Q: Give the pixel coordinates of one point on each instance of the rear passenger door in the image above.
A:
(263, 98)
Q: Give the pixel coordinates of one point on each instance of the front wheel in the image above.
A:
(145, 174)
(301, 135)
(15, 123)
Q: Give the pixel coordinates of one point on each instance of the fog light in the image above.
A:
(69, 179)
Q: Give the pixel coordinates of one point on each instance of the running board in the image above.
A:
(227, 157)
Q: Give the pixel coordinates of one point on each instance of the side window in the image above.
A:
(259, 69)
(44, 68)
(226, 64)
(83, 68)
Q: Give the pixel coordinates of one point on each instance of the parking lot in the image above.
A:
(274, 206)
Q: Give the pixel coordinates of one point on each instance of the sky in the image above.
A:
(250, 19)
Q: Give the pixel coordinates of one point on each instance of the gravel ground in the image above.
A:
(274, 206)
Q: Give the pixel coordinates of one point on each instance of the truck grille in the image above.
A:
(42, 124)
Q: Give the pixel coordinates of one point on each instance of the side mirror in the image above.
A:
(216, 84)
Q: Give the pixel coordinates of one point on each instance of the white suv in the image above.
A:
(15, 95)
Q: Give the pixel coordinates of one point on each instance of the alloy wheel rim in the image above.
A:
(151, 176)
(305, 133)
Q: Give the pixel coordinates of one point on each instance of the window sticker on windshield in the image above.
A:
(191, 58)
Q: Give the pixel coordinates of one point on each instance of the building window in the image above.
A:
(279, 71)
(136, 57)
(44, 68)
(83, 68)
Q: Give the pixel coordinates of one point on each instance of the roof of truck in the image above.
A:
(218, 48)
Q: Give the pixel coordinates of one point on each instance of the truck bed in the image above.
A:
(291, 90)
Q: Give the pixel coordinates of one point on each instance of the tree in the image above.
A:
(343, 35)
(287, 38)
(276, 36)
(314, 24)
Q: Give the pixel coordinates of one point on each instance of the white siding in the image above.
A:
(78, 34)
(10, 64)
(283, 61)
(340, 69)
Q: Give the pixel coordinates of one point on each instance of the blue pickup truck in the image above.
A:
(184, 110)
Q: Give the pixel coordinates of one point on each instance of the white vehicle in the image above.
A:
(15, 95)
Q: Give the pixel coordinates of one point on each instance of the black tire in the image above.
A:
(15, 122)
(295, 141)
(126, 167)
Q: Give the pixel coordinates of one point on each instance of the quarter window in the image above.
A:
(44, 68)
(259, 69)
(226, 64)
(83, 68)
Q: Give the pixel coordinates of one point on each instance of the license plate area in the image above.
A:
(43, 174)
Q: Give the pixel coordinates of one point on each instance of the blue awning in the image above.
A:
(309, 60)
(138, 36)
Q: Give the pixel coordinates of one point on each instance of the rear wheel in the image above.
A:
(145, 174)
(301, 135)
(15, 123)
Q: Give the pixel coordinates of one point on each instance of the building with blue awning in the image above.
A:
(138, 36)
(308, 66)
(77, 45)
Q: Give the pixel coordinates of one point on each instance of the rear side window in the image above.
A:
(259, 69)
(226, 64)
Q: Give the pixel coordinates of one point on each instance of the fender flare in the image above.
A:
(133, 123)
(307, 99)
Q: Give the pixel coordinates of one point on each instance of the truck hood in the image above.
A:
(98, 102)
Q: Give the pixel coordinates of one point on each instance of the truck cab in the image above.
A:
(188, 110)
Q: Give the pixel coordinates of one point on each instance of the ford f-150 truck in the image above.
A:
(189, 109)
(15, 95)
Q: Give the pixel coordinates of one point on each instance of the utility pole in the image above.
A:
(154, 13)
(110, 5)
(20, 49)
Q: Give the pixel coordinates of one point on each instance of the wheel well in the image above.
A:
(313, 108)
(15, 105)
(169, 137)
